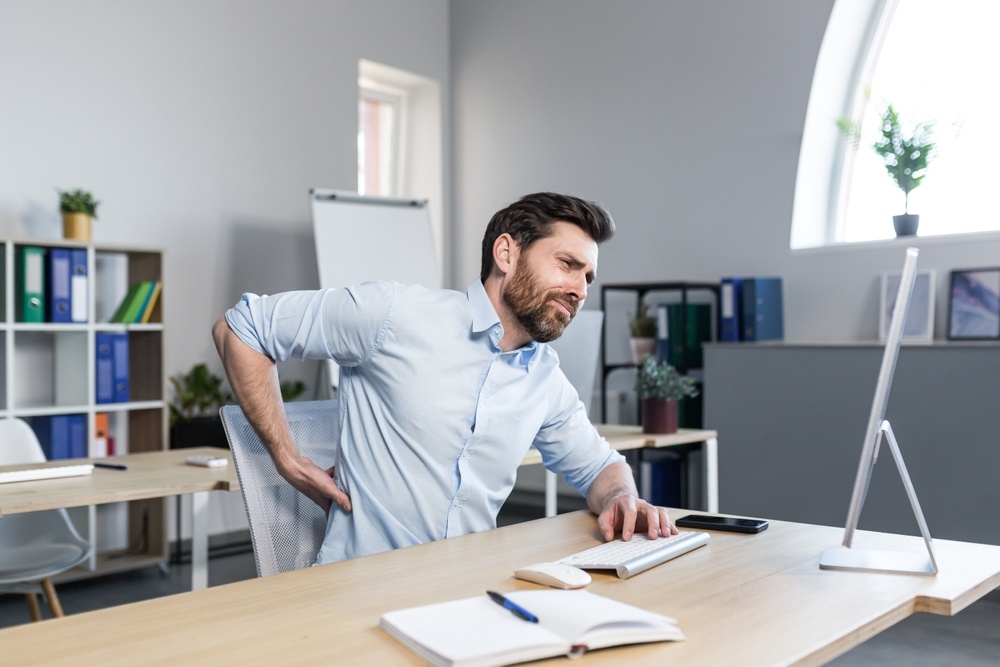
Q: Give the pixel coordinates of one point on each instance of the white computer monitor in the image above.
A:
(845, 557)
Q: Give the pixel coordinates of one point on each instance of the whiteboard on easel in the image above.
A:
(360, 238)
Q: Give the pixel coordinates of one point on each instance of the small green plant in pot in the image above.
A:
(79, 209)
(660, 387)
(905, 154)
(642, 333)
(194, 411)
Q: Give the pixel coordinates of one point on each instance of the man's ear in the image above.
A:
(505, 253)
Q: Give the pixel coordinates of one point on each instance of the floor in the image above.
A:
(970, 639)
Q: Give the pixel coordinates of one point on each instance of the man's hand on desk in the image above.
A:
(628, 514)
(614, 499)
(316, 483)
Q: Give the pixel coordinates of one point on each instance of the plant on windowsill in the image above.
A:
(905, 156)
(661, 387)
(79, 209)
(642, 333)
(194, 410)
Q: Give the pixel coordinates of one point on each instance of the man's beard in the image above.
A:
(534, 310)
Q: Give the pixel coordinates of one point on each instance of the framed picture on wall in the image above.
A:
(919, 325)
(974, 305)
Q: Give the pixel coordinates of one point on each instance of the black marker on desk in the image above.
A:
(112, 466)
(515, 609)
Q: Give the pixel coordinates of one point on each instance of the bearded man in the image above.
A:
(441, 392)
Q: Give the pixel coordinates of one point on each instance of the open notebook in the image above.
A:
(476, 632)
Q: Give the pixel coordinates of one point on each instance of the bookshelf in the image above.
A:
(680, 292)
(49, 369)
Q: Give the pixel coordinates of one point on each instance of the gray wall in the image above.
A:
(201, 126)
(685, 119)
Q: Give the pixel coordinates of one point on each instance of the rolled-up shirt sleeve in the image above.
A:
(345, 325)
(569, 444)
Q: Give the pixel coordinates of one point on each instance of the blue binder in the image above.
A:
(78, 285)
(762, 309)
(729, 310)
(105, 370)
(53, 433)
(119, 353)
(59, 290)
(77, 436)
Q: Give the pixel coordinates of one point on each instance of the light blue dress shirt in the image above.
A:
(434, 418)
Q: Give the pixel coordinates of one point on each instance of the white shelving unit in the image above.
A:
(50, 369)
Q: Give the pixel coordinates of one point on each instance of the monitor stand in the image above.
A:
(847, 558)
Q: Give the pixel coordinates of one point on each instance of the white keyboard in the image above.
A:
(32, 474)
(638, 554)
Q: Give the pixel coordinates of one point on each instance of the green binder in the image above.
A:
(30, 282)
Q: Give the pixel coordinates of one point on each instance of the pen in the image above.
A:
(113, 466)
(515, 609)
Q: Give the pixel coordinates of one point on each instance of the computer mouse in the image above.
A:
(556, 575)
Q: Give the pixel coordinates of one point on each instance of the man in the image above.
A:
(441, 393)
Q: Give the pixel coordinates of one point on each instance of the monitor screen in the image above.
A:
(873, 431)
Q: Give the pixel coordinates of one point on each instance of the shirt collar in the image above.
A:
(486, 319)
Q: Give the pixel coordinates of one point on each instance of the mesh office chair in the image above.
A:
(286, 527)
(36, 546)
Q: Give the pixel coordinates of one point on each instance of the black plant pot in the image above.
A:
(198, 432)
(906, 224)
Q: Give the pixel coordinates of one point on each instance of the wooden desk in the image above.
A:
(623, 437)
(149, 475)
(741, 600)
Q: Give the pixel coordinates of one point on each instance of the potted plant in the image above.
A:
(194, 411)
(642, 333)
(660, 387)
(905, 155)
(79, 209)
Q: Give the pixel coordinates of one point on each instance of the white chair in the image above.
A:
(36, 546)
(286, 527)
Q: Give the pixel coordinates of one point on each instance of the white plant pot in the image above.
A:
(641, 347)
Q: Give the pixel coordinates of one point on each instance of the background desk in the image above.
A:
(741, 600)
(158, 474)
(624, 437)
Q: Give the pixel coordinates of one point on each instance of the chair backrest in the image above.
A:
(286, 527)
(18, 443)
(35, 545)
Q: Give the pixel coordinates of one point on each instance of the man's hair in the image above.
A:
(532, 217)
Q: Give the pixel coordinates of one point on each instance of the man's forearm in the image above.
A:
(253, 378)
(615, 480)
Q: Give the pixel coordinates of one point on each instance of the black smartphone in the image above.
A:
(732, 524)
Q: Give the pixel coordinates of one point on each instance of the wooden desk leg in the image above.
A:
(711, 460)
(550, 493)
(199, 540)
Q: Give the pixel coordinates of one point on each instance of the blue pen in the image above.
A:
(111, 466)
(515, 609)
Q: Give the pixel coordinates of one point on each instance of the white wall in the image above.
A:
(201, 126)
(685, 119)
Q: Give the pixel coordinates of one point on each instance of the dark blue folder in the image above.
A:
(58, 285)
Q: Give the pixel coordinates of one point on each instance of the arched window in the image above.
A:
(934, 62)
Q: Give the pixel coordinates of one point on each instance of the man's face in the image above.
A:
(550, 282)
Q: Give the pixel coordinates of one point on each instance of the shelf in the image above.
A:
(49, 369)
(682, 290)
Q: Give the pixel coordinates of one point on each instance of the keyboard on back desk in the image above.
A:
(52, 472)
(638, 554)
